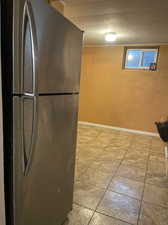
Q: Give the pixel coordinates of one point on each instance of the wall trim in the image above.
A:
(119, 129)
(123, 45)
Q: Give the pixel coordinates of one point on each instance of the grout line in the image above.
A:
(159, 205)
(91, 217)
(112, 177)
(114, 218)
(82, 206)
(76, 203)
(147, 164)
(94, 210)
(126, 194)
(107, 187)
(105, 190)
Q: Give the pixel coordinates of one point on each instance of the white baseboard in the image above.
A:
(119, 128)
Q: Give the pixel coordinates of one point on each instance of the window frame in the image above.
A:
(143, 49)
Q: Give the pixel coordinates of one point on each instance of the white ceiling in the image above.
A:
(135, 21)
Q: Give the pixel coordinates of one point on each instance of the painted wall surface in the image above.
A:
(113, 96)
(58, 5)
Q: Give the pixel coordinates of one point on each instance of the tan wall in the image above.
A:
(58, 5)
(123, 98)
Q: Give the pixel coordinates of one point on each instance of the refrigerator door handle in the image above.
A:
(28, 17)
(27, 159)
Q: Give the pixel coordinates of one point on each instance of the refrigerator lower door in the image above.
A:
(44, 194)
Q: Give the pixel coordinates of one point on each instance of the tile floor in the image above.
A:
(120, 179)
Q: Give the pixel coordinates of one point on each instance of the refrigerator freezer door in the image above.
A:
(24, 49)
(59, 45)
(44, 195)
(18, 9)
(59, 50)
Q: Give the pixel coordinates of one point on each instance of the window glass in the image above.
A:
(148, 58)
(140, 58)
(133, 58)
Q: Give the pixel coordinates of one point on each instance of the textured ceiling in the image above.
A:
(135, 21)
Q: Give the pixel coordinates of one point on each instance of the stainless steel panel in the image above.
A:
(2, 193)
(59, 50)
(24, 48)
(18, 163)
(18, 9)
(47, 190)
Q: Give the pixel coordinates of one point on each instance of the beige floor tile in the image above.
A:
(103, 154)
(79, 216)
(153, 215)
(82, 162)
(157, 157)
(85, 139)
(126, 186)
(91, 132)
(136, 155)
(109, 131)
(91, 148)
(157, 145)
(156, 174)
(154, 166)
(156, 195)
(121, 144)
(105, 141)
(116, 148)
(110, 135)
(109, 166)
(157, 150)
(140, 148)
(156, 141)
(98, 143)
(94, 178)
(88, 197)
(112, 155)
(139, 163)
(86, 156)
(120, 207)
(141, 142)
(99, 219)
(95, 166)
(80, 169)
(133, 173)
(157, 180)
(141, 137)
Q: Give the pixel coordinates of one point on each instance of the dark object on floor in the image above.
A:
(162, 128)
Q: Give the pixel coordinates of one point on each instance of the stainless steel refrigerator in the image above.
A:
(44, 67)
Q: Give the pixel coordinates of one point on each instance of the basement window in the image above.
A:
(141, 58)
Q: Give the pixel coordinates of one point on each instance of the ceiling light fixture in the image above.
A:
(110, 37)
